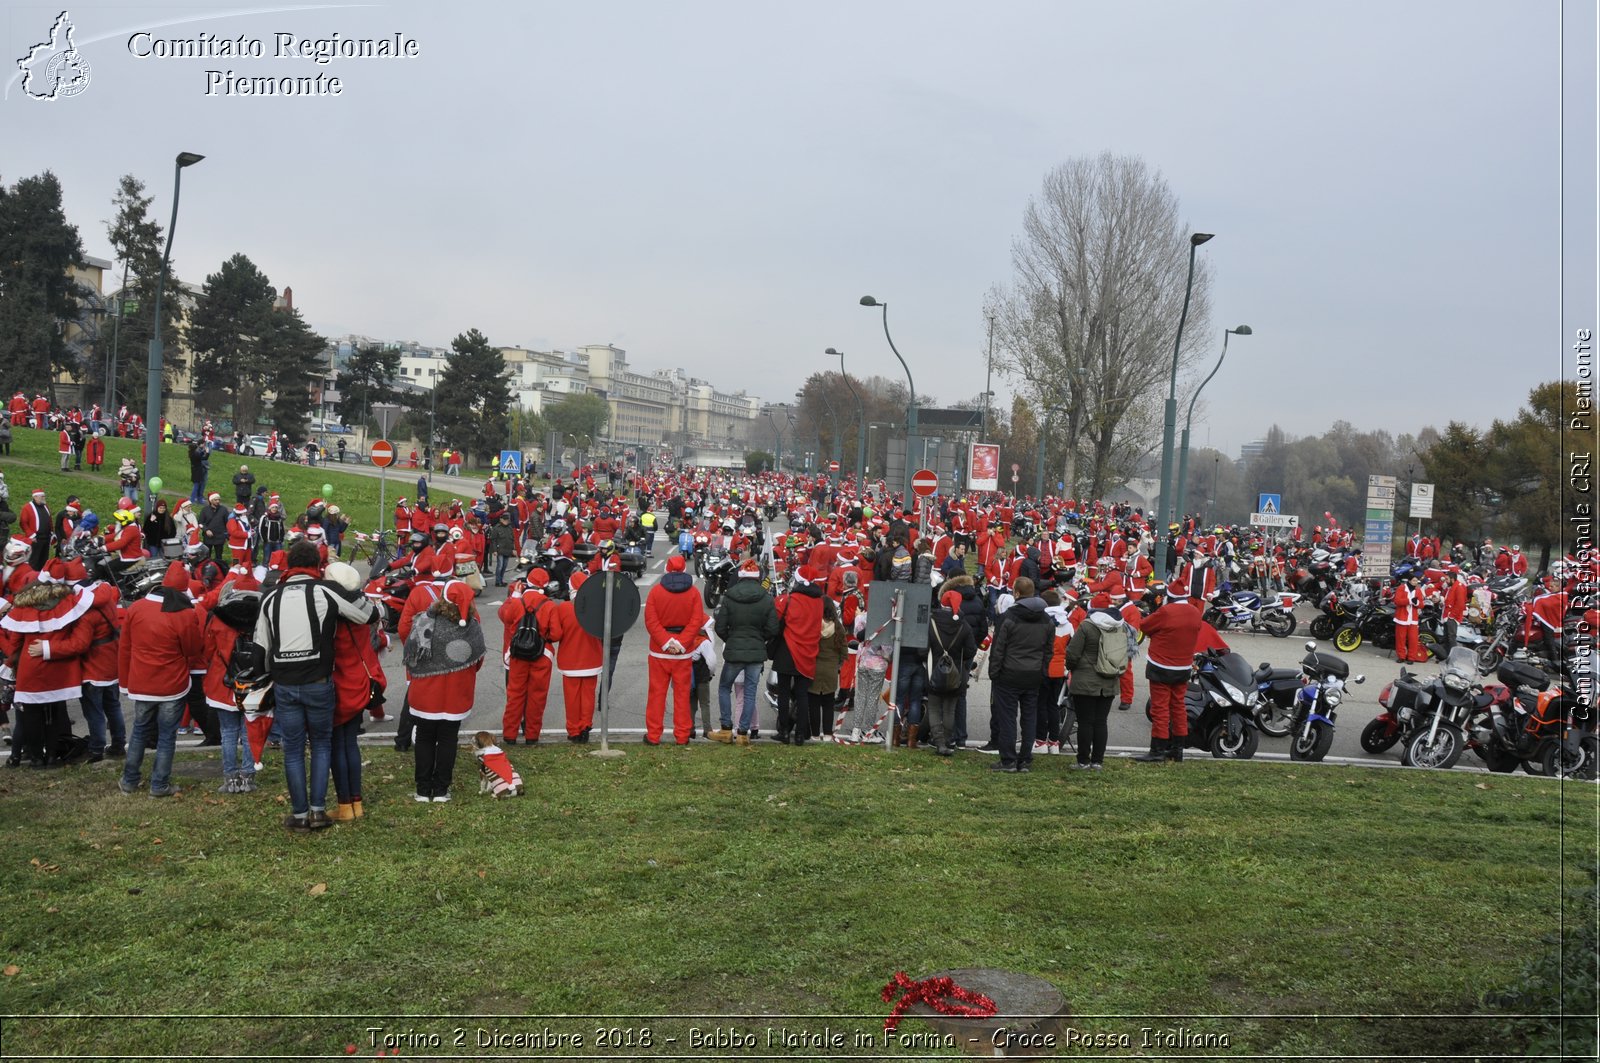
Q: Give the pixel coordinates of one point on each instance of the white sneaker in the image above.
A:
(419, 799)
(441, 799)
(1041, 748)
(1055, 749)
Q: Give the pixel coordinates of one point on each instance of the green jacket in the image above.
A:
(501, 539)
(746, 620)
(1084, 649)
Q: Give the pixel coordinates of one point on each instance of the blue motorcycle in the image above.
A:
(1317, 704)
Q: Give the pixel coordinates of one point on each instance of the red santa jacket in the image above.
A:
(161, 637)
(105, 623)
(355, 668)
(673, 611)
(50, 614)
(1406, 602)
(801, 613)
(511, 612)
(218, 639)
(33, 518)
(1171, 632)
(578, 653)
(239, 531)
(126, 542)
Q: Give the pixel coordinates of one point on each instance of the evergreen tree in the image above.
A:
(136, 242)
(367, 380)
(37, 296)
(294, 358)
(473, 397)
(227, 332)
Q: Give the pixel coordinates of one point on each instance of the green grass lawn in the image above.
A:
(35, 463)
(771, 881)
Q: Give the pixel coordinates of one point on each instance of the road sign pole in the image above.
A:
(894, 692)
(605, 749)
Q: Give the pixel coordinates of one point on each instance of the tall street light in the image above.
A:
(1169, 425)
(1183, 450)
(1044, 431)
(911, 410)
(152, 404)
(861, 422)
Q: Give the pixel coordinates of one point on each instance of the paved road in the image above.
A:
(1129, 730)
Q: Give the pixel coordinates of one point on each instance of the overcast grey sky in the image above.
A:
(713, 186)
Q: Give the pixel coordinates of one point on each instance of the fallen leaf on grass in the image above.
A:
(483, 874)
(1483, 786)
(52, 910)
(157, 841)
(11, 970)
(318, 890)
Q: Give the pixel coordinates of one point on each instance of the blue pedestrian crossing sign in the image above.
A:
(1269, 504)
(511, 462)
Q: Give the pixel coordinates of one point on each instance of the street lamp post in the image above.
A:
(1044, 430)
(1183, 450)
(1170, 419)
(152, 404)
(911, 408)
(116, 336)
(861, 422)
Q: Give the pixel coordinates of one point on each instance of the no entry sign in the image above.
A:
(833, 466)
(924, 482)
(383, 453)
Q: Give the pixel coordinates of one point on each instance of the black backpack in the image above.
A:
(527, 643)
(946, 676)
(247, 665)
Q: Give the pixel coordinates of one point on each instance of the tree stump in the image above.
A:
(1029, 1023)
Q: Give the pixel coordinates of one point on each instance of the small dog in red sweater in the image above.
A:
(496, 776)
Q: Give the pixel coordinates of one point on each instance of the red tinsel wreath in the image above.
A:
(933, 992)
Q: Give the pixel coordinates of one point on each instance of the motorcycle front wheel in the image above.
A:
(1279, 625)
(1441, 751)
(1490, 655)
(1322, 628)
(1313, 746)
(1562, 763)
(1274, 719)
(1242, 748)
(1377, 738)
(1347, 639)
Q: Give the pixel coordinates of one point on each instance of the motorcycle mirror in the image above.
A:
(1359, 679)
(1311, 647)
(1266, 666)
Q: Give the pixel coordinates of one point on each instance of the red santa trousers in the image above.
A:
(577, 692)
(527, 692)
(1168, 717)
(678, 675)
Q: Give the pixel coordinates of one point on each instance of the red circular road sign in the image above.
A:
(833, 466)
(382, 453)
(925, 482)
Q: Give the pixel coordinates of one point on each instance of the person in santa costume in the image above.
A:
(33, 528)
(161, 636)
(102, 709)
(527, 682)
(1407, 606)
(800, 613)
(1171, 632)
(239, 534)
(578, 657)
(674, 617)
(42, 643)
(358, 686)
(19, 409)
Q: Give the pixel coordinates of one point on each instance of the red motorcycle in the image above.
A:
(391, 590)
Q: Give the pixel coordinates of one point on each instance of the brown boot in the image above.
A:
(355, 806)
(899, 734)
(911, 736)
(343, 812)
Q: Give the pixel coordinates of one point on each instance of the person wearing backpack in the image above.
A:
(951, 649)
(1050, 711)
(529, 660)
(443, 652)
(1096, 657)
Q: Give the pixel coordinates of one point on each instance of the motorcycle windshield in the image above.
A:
(1236, 671)
(1462, 662)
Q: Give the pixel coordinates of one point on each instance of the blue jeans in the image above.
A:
(347, 761)
(500, 563)
(162, 717)
(236, 756)
(102, 707)
(197, 493)
(910, 689)
(306, 712)
(752, 686)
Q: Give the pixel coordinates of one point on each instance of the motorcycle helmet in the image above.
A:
(441, 532)
(196, 553)
(416, 540)
(122, 516)
(90, 522)
(238, 608)
(124, 502)
(292, 536)
(17, 552)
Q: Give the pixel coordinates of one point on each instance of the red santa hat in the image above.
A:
(461, 596)
(750, 570)
(213, 497)
(539, 578)
(399, 502)
(576, 580)
(194, 535)
(675, 563)
(1100, 601)
(38, 493)
(240, 507)
(951, 600)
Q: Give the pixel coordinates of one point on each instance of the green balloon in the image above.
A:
(156, 485)
(327, 490)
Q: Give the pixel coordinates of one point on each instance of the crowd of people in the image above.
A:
(262, 633)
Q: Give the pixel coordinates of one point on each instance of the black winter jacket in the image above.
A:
(1022, 645)
(746, 621)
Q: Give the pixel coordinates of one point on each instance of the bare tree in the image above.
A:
(1088, 319)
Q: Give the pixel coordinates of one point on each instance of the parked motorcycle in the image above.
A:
(132, 581)
(1372, 620)
(1221, 700)
(1232, 610)
(1317, 704)
(1278, 687)
(391, 590)
(1439, 738)
(1537, 726)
